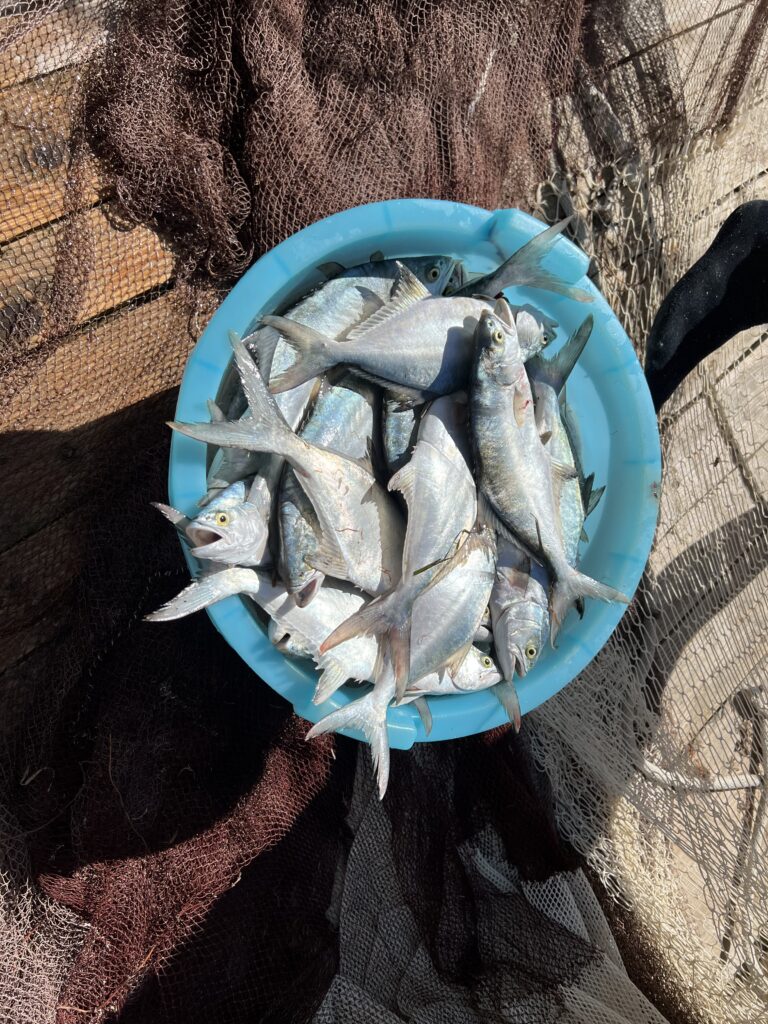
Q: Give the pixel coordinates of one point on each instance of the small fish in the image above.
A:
(439, 490)
(231, 529)
(519, 610)
(342, 420)
(415, 345)
(362, 530)
(548, 377)
(520, 484)
(335, 308)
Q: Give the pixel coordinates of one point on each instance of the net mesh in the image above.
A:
(171, 850)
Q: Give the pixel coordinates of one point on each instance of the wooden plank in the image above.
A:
(35, 119)
(32, 45)
(113, 364)
(36, 579)
(63, 426)
(124, 264)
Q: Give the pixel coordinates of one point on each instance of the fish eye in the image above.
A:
(433, 273)
(222, 518)
(531, 652)
(498, 337)
(487, 662)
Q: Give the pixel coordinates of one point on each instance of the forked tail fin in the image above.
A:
(524, 268)
(569, 586)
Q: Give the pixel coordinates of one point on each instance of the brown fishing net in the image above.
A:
(170, 849)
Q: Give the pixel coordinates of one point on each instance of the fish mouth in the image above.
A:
(519, 660)
(203, 538)
(308, 591)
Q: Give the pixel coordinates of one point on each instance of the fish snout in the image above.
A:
(519, 659)
(304, 596)
(202, 538)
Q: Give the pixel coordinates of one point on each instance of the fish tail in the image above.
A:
(332, 677)
(524, 267)
(315, 353)
(206, 591)
(264, 431)
(569, 586)
(388, 617)
(369, 715)
(556, 370)
(506, 694)
(179, 520)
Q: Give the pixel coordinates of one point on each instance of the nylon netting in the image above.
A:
(171, 849)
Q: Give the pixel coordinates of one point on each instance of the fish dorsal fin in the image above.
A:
(404, 481)
(594, 498)
(407, 291)
(250, 377)
(331, 269)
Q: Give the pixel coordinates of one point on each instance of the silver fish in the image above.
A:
(519, 482)
(231, 529)
(519, 610)
(446, 616)
(362, 530)
(439, 490)
(416, 349)
(415, 346)
(342, 421)
(548, 377)
(334, 309)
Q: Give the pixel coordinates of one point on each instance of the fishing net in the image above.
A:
(170, 848)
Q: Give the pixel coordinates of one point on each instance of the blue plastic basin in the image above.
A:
(606, 391)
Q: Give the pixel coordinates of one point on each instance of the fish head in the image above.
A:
(530, 334)
(520, 621)
(286, 642)
(478, 671)
(229, 529)
(307, 587)
(534, 320)
(436, 273)
(497, 350)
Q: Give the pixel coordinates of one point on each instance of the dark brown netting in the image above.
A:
(170, 848)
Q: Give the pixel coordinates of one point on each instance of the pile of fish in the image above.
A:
(396, 484)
